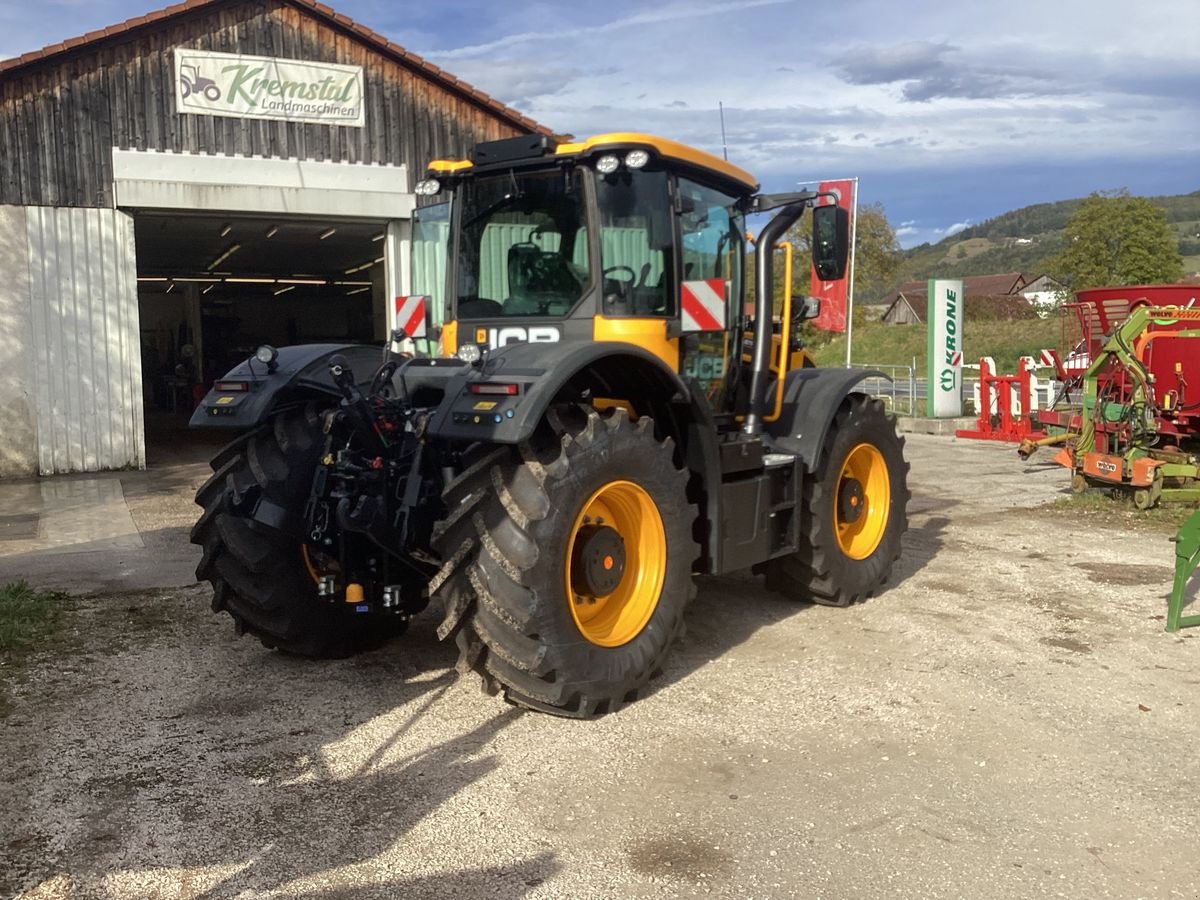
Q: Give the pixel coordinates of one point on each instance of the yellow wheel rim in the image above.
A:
(862, 501)
(624, 523)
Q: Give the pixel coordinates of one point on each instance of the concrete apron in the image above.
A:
(77, 515)
(77, 533)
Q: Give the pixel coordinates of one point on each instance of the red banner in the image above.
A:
(833, 293)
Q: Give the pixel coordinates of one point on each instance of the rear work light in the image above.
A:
(488, 388)
(240, 386)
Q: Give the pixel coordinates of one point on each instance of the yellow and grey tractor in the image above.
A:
(604, 416)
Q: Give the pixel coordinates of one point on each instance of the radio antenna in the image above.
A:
(724, 147)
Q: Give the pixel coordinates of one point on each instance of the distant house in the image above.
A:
(907, 304)
(1044, 292)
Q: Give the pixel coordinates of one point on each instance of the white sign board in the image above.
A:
(259, 87)
(945, 348)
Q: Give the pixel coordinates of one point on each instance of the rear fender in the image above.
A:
(811, 398)
(301, 373)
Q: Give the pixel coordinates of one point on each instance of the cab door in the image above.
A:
(712, 254)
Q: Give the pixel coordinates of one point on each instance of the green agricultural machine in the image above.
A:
(1137, 427)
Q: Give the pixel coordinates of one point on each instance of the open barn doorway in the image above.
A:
(212, 288)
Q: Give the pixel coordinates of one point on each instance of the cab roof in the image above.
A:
(495, 153)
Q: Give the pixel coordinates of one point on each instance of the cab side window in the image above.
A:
(712, 248)
(712, 229)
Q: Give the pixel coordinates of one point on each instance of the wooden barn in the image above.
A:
(184, 186)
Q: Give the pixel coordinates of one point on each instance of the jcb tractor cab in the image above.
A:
(607, 417)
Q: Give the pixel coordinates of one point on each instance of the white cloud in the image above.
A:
(643, 18)
(916, 95)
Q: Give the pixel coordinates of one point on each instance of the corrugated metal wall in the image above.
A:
(86, 349)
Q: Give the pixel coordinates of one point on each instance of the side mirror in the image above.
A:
(830, 241)
(808, 308)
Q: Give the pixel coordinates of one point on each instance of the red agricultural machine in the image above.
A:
(1136, 423)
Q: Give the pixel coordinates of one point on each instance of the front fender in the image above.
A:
(540, 372)
(301, 372)
(811, 398)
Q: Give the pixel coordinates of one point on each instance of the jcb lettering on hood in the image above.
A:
(515, 334)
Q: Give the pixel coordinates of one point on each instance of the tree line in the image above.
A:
(1108, 238)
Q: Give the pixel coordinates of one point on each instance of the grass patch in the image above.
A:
(896, 345)
(28, 617)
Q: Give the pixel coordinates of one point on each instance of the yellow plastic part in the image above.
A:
(859, 537)
(450, 165)
(649, 334)
(630, 140)
(450, 338)
(354, 592)
(785, 333)
(619, 141)
(619, 617)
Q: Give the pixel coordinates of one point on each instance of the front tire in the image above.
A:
(568, 564)
(855, 511)
(261, 573)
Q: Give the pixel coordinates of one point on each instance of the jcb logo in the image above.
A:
(514, 334)
(705, 367)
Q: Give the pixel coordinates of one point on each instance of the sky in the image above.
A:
(948, 114)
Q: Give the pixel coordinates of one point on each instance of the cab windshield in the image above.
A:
(522, 245)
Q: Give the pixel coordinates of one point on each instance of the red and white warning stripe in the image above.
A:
(703, 305)
(410, 315)
(956, 358)
(1049, 358)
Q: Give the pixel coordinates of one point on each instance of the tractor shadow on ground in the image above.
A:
(730, 609)
(259, 773)
(321, 817)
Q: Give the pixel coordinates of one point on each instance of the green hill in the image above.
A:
(898, 345)
(1025, 240)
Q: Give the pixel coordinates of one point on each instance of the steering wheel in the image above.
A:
(608, 273)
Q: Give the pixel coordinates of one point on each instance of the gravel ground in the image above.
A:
(1009, 719)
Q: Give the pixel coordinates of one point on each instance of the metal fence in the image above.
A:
(904, 393)
(898, 390)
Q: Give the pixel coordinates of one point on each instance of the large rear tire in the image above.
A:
(261, 573)
(855, 511)
(568, 563)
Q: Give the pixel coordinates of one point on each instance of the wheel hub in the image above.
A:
(598, 561)
(850, 500)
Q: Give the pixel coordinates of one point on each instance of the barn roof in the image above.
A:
(371, 38)
(973, 286)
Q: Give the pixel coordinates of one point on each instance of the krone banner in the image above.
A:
(945, 319)
(259, 87)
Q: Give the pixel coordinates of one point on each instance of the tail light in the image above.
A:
(238, 386)
(487, 387)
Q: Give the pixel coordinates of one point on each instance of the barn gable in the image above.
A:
(115, 88)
